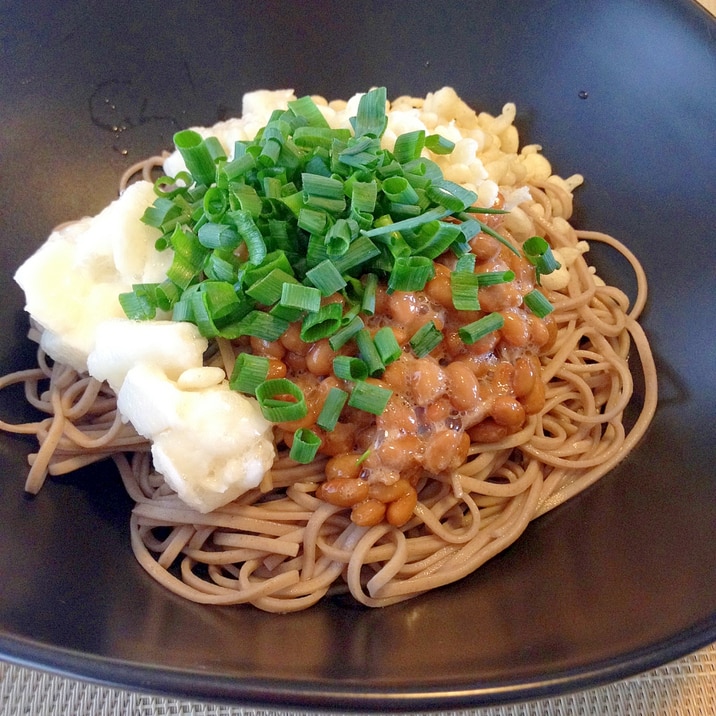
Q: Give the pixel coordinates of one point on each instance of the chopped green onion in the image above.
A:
(321, 324)
(436, 237)
(464, 287)
(250, 234)
(331, 410)
(274, 260)
(490, 278)
(305, 446)
(162, 211)
(369, 397)
(539, 253)
(469, 229)
(167, 294)
(196, 155)
(215, 148)
(410, 273)
(466, 263)
(338, 238)
(485, 210)
(350, 368)
(538, 303)
(399, 190)
(245, 197)
(409, 224)
(262, 325)
(472, 332)
(425, 339)
(370, 285)
(359, 252)
(317, 185)
(363, 196)
(305, 107)
(387, 345)
(326, 277)
(409, 145)
(218, 236)
(345, 333)
(370, 118)
(237, 167)
(290, 315)
(438, 144)
(305, 298)
(311, 137)
(313, 221)
(139, 304)
(217, 309)
(215, 203)
(452, 196)
(269, 288)
(369, 352)
(188, 260)
(249, 371)
(281, 400)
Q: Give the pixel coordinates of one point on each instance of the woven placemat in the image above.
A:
(686, 687)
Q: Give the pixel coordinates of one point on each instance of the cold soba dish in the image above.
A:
(348, 345)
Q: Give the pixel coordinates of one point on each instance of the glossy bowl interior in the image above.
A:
(616, 581)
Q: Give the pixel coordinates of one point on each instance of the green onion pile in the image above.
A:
(303, 212)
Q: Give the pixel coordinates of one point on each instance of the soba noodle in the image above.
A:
(281, 548)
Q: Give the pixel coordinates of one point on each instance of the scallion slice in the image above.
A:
(305, 446)
(345, 333)
(464, 287)
(326, 277)
(262, 325)
(439, 144)
(296, 295)
(196, 155)
(332, 407)
(248, 373)
(269, 288)
(426, 339)
(370, 285)
(218, 236)
(371, 118)
(139, 304)
(491, 278)
(305, 107)
(410, 273)
(281, 400)
(538, 303)
(321, 324)
(450, 195)
(369, 397)
(387, 345)
(398, 189)
(350, 368)
(476, 330)
(161, 212)
(250, 234)
(359, 252)
(466, 263)
(539, 253)
(363, 196)
(369, 353)
(409, 145)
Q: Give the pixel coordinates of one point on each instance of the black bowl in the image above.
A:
(616, 581)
